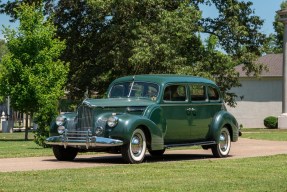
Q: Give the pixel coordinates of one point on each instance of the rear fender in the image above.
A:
(224, 119)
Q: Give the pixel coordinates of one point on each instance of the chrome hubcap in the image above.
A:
(223, 141)
(137, 144)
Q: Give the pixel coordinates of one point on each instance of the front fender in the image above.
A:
(129, 122)
(221, 119)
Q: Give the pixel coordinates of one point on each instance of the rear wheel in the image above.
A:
(223, 147)
(134, 151)
(65, 154)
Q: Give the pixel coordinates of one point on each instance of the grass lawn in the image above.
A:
(265, 134)
(14, 145)
(248, 174)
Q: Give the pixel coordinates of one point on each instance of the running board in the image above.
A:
(190, 144)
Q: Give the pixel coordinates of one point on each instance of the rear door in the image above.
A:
(205, 103)
(200, 116)
(175, 105)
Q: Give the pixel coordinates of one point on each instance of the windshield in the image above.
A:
(134, 89)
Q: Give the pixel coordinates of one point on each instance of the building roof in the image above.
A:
(274, 63)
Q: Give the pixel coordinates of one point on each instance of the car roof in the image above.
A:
(165, 78)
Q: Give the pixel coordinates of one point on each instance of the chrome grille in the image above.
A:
(78, 138)
(85, 118)
(77, 135)
(71, 124)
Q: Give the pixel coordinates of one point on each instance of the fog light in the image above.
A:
(99, 131)
(61, 130)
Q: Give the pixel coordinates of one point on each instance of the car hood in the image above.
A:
(117, 102)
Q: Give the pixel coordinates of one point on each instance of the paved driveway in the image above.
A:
(241, 149)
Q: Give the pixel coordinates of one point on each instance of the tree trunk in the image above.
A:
(26, 126)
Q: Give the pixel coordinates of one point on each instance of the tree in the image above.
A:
(276, 40)
(3, 48)
(113, 38)
(31, 73)
(10, 7)
(3, 51)
(110, 38)
(116, 38)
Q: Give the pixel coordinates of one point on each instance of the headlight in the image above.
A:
(112, 121)
(60, 121)
(61, 130)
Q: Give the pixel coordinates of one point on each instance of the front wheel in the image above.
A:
(134, 151)
(65, 154)
(223, 147)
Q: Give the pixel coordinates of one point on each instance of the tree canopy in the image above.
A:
(3, 51)
(110, 38)
(31, 73)
(276, 40)
(113, 38)
(3, 48)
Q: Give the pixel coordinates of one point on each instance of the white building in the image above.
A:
(259, 97)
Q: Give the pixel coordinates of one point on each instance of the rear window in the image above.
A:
(197, 92)
(213, 94)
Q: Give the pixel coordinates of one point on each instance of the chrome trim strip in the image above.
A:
(191, 144)
(189, 104)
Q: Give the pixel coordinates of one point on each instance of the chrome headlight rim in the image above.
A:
(112, 121)
(60, 121)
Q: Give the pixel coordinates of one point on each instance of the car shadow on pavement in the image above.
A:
(117, 159)
(177, 157)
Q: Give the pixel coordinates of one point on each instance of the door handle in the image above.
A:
(191, 110)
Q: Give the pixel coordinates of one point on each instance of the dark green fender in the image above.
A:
(129, 122)
(221, 119)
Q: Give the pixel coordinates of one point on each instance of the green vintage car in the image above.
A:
(147, 112)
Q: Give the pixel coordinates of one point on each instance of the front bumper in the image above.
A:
(82, 138)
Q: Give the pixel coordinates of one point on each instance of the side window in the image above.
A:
(213, 94)
(197, 92)
(175, 93)
(151, 91)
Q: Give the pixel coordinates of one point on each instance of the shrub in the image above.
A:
(43, 118)
(271, 122)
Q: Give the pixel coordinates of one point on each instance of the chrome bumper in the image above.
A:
(82, 138)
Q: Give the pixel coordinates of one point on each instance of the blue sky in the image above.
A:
(266, 9)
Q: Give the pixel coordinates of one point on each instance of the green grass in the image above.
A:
(248, 174)
(265, 134)
(13, 145)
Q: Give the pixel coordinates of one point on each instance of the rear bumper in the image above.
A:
(82, 138)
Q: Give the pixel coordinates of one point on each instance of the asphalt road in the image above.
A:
(241, 149)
